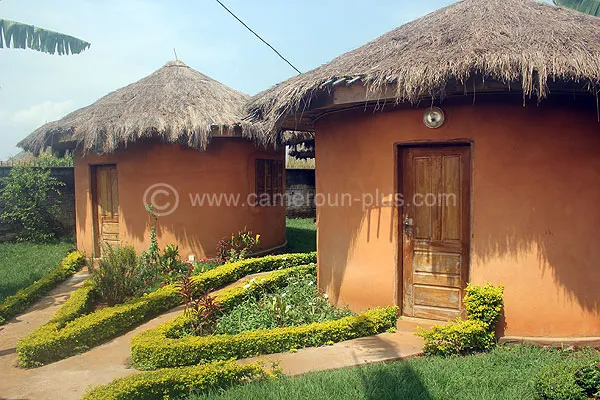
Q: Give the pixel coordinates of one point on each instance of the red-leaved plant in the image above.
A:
(201, 311)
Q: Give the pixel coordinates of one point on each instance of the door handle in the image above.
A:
(408, 227)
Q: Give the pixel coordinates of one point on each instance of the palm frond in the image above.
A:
(22, 36)
(591, 7)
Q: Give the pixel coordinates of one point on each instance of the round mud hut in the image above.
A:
(174, 140)
(460, 148)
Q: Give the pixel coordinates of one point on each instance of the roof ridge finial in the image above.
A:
(175, 51)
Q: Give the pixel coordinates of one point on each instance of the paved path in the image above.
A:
(378, 348)
(68, 379)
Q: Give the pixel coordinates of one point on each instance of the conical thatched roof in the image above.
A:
(522, 43)
(175, 104)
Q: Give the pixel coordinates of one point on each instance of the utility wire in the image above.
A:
(258, 36)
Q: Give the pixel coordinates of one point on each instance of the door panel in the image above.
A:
(106, 205)
(435, 230)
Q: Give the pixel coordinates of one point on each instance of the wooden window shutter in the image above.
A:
(277, 177)
(269, 180)
(259, 177)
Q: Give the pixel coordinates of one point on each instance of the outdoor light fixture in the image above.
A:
(433, 117)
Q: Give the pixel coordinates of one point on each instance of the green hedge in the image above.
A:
(179, 382)
(476, 333)
(20, 301)
(70, 333)
(166, 346)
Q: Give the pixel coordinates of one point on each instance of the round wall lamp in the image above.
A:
(433, 117)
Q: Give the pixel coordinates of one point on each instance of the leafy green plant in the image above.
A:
(557, 382)
(200, 311)
(591, 7)
(239, 246)
(50, 160)
(150, 260)
(477, 333)
(587, 377)
(28, 203)
(206, 265)
(172, 266)
(484, 304)
(299, 302)
(21, 36)
(116, 278)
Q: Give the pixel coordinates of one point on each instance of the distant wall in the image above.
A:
(67, 200)
(300, 193)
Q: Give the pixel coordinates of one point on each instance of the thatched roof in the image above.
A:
(525, 43)
(175, 104)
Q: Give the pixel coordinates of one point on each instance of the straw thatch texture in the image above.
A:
(510, 41)
(175, 104)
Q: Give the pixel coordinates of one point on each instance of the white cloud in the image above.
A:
(41, 113)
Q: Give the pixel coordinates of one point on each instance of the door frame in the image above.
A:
(92, 168)
(398, 209)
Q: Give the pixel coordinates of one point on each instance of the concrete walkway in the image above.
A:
(379, 348)
(68, 379)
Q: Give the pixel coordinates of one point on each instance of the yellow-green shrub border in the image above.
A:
(165, 347)
(17, 303)
(477, 333)
(178, 382)
(70, 332)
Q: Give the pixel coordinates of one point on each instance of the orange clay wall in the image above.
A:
(535, 208)
(226, 167)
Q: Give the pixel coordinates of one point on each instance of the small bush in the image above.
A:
(116, 278)
(149, 262)
(458, 338)
(13, 305)
(239, 246)
(202, 311)
(476, 333)
(179, 382)
(29, 205)
(172, 266)
(484, 303)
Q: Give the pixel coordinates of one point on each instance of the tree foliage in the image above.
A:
(29, 202)
(591, 7)
(23, 36)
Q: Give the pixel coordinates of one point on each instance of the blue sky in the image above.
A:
(132, 38)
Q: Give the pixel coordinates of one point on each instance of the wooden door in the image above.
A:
(106, 203)
(435, 230)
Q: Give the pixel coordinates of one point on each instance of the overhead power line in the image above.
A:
(258, 36)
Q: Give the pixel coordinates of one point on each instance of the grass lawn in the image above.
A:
(23, 263)
(301, 235)
(506, 373)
